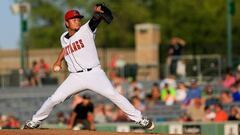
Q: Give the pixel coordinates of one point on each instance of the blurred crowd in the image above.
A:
(37, 75)
(198, 102)
(10, 121)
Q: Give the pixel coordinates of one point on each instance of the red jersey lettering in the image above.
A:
(75, 46)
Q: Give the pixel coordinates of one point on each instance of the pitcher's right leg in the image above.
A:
(70, 86)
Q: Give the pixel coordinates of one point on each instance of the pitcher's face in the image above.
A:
(74, 24)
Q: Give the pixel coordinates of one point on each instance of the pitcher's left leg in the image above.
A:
(98, 82)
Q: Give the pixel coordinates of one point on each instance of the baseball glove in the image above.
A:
(107, 15)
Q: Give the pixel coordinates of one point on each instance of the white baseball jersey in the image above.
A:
(80, 49)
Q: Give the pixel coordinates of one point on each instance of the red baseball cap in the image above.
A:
(72, 14)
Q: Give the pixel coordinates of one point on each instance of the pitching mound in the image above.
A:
(63, 132)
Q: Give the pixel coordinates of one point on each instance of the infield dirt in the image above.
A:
(65, 132)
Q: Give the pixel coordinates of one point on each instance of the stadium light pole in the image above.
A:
(21, 8)
(230, 13)
(22, 41)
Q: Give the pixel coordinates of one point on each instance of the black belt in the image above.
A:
(88, 69)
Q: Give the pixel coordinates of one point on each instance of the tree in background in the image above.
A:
(45, 25)
(201, 23)
(126, 13)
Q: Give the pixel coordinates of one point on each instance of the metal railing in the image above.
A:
(196, 66)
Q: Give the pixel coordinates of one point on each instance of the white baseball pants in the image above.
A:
(95, 80)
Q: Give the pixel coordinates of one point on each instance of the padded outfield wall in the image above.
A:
(212, 128)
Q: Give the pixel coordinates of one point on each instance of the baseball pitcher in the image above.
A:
(79, 51)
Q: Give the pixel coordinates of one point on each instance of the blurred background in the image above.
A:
(176, 60)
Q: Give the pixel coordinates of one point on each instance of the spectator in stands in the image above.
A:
(99, 114)
(136, 102)
(169, 98)
(154, 97)
(209, 98)
(228, 80)
(238, 74)
(9, 122)
(133, 85)
(221, 115)
(174, 53)
(196, 110)
(28, 77)
(113, 67)
(121, 116)
(193, 92)
(167, 92)
(4, 121)
(137, 92)
(170, 80)
(117, 84)
(44, 68)
(155, 92)
(225, 97)
(110, 112)
(83, 114)
(1, 121)
(185, 118)
(235, 93)
(77, 99)
(238, 85)
(209, 113)
(61, 119)
(181, 69)
(120, 64)
(35, 74)
(181, 92)
(234, 113)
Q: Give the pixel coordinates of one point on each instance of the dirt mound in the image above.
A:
(63, 132)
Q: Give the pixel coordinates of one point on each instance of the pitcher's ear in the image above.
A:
(66, 24)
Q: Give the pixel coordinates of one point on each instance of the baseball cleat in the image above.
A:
(146, 124)
(31, 124)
